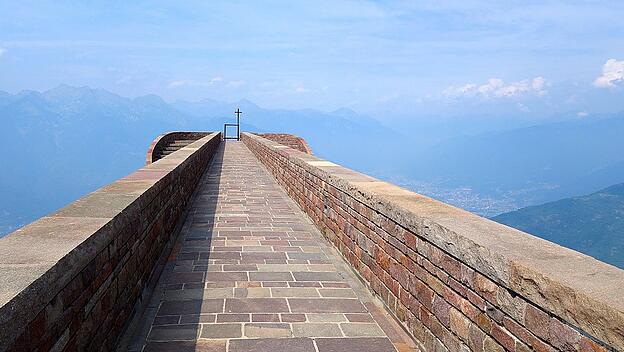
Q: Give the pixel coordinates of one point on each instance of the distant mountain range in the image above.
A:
(60, 144)
(343, 136)
(532, 165)
(592, 224)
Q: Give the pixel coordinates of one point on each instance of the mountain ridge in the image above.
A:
(67, 141)
(592, 224)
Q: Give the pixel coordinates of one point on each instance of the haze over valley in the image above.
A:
(65, 142)
(491, 107)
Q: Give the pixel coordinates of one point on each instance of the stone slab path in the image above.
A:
(250, 273)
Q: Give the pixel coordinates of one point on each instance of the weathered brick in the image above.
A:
(503, 337)
(490, 345)
(459, 324)
(562, 336)
(475, 338)
(537, 321)
(441, 309)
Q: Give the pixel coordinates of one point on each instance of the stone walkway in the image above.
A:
(250, 273)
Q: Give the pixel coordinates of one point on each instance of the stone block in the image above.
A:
(272, 345)
(221, 331)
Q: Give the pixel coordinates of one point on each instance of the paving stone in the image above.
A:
(326, 317)
(240, 267)
(337, 292)
(191, 307)
(305, 284)
(294, 292)
(174, 332)
(273, 345)
(282, 267)
(229, 276)
(326, 305)
(186, 346)
(252, 292)
(265, 318)
(257, 249)
(220, 331)
(335, 285)
(256, 305)
(197, 318)
(365, 344)
(317, 276)
(229, 318)
(176, 278)
(359, 318)
(361, 329)
(307, 256)
(166, 320)
(210, 285)
(195, 294)
(275, 284)
(249, 284)
(321, 267)
(270, 276)
(293, 318)
(316, 330)
(267, 330)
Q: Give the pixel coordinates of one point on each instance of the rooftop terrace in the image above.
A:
(256, 246)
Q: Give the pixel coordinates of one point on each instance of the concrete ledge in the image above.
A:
(69, 279)
(430, 261)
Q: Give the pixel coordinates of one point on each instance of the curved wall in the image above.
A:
(162, 141)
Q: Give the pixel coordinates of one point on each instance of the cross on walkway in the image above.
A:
(237, 125)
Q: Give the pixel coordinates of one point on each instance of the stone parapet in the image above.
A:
(289, 140)
(70, 280)
(455, 280)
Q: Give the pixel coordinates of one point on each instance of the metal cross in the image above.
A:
(237, 112)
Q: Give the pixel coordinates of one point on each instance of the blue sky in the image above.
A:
(377, 57)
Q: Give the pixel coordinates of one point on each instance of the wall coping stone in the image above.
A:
(584, 291)
(288, 140)
(40, 259)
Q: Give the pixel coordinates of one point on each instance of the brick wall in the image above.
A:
(456, 281)
(289, 140)
(71, 280)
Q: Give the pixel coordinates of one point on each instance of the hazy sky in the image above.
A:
(368, 55)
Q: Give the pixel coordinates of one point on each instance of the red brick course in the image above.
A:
(439, 299)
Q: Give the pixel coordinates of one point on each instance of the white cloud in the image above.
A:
(2, 51)
(179, 83)
(582, 114)
(612, 72)
(184, 82)
(497, 88)
(538, 83)
(301, 89)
